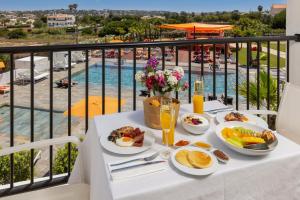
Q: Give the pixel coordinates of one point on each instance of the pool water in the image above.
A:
(111, 79)
(41, 123)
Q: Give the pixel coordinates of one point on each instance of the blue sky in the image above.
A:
(171, 5)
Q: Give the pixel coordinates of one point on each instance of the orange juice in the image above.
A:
(168, 126)
(198, 104)
(171, 136)
(198, 98)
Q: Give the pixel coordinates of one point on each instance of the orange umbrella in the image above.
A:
(198, 27)
(95, 106)
(116, 41)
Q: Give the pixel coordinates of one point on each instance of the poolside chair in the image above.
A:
(62, 192)
(77, 56)
(287, 121)
(4, 89)
(25, 76)
(61, 61)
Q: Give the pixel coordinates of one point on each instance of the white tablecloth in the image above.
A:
(275, 176)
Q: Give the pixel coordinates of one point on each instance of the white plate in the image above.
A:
(252, 119)
(250, 152)
(195, 129)
(194, 171)
(112, 147)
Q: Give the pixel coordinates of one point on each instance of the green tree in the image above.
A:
(61, 159)
(279, 20)
(17, 34)
(87, 31)
(263, 90)
(21, 167)
(39, 23)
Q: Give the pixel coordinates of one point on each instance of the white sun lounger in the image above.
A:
(61, 61)
(26, 77)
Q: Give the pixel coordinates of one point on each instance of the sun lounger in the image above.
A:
(25, 76)
(77, 56)
(61, 61)
(4, 89)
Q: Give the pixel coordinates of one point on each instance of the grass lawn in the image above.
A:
(273, 45)
(273, 59)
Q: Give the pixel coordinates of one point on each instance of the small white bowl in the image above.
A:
(195, 129)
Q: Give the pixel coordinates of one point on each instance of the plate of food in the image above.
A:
(127, 140)
(238, 116)
(248, 139)
(194, 123)
(194, 161)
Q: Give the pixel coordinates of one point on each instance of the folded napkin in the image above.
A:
(214, 105)
(136, 171)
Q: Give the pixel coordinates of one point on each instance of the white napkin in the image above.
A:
(136, 171)
(214, 105)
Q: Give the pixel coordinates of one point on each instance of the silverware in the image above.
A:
(137, 165)
(147, 159)
(219, 110)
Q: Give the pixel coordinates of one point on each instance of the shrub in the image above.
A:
(16, 34)
(279, 20)
(87, 31)
(21, 167)
(3, 32)
(53, 31)
(61, 159)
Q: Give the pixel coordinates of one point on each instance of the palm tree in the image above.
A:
(263, 89)
(73, 7)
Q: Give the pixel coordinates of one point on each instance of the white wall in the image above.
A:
(293, 27)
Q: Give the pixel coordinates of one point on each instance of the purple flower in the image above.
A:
(152, 63)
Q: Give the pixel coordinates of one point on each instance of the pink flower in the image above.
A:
(177, 75)
(149, 83)
(160, 78)
(185, 86)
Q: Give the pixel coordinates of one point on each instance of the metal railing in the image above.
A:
(187, 44)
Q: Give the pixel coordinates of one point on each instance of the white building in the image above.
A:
(60, 20)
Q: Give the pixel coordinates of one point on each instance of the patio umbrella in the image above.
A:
(95, 106)
(116, 41)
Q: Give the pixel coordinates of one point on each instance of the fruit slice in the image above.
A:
(235, 142)
(252, 140)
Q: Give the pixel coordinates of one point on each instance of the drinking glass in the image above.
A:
(167, 121)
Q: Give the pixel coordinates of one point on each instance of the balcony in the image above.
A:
(39, 103)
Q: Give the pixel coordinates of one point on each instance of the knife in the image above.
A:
(137, 165)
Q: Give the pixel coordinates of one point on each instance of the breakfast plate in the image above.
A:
(194, 161)
(194, 123)
(246, 138)
(240, 116)
(126, 146)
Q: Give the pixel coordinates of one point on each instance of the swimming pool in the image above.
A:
(41, 123)
(111, 78)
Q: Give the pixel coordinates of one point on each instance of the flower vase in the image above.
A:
(152, 110)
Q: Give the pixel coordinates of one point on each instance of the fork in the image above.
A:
(148, 158)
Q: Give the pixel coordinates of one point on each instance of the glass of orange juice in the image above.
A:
(167, 121)
(198, 98)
